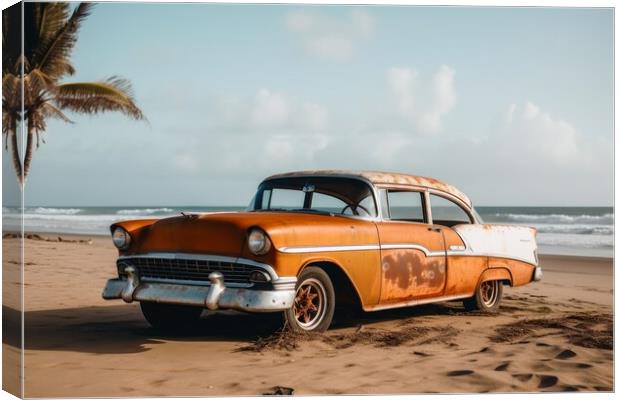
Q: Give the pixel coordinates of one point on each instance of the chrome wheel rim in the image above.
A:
(489, 291)
(309, 306)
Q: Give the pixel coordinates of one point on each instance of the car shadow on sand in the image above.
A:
(121, 329)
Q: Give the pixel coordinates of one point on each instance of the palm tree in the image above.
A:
(50, 31)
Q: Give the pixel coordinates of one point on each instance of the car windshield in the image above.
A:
(329, 195)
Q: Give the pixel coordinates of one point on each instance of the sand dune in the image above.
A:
(554, 335)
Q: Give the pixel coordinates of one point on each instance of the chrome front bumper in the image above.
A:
(215, 296)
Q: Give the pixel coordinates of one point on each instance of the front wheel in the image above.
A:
(170, 317)
(313, 308)
(487, 297)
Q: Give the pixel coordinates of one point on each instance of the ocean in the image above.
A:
(584, 231)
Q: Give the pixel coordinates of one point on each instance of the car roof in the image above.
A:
(383, 178)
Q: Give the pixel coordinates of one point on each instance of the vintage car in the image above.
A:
(311, 241)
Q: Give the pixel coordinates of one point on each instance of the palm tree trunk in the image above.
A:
(17, 163)
(29, 148)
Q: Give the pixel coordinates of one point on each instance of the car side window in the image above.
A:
(405, 205)
(446, 212)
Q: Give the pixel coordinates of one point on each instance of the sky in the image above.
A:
(514, 106)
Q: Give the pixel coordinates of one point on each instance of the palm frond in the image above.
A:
(49, 111)
(50, 17)
(113, 94)
(11, 38)
(36, 87)
(53, 54)
(11, 93)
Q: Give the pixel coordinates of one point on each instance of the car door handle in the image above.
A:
(434, 229)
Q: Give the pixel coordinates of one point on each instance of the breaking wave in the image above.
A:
(605, 219)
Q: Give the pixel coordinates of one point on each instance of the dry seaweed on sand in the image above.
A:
(283, 339)
(378, 337)
(288, 340)
(35, 236)
(585, 330)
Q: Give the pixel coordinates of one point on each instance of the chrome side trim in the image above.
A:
(393, 246)
(206, 257)
(379, 307)
(423, 249)
(321, 249)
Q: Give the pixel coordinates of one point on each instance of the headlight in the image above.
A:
(121, 238)
(258, 242)
(259, 276)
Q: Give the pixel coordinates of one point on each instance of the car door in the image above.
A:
(413, 255)
(463, 268)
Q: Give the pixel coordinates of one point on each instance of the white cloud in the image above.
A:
(423, 106)
(532, 134)
(270, 109)
(265, 132)
(331, 37)
(530, 111)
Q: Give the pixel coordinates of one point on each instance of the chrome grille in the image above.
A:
(187, 269)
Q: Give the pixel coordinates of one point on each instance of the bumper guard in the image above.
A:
(216, 296)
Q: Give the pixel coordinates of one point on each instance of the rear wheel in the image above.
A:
(170, 317)
(313, 308)
(487, 297)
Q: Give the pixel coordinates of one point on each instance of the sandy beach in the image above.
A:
(553, 335)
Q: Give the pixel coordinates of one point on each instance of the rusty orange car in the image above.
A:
(314, 240)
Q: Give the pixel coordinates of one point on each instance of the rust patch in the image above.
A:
(408, 274)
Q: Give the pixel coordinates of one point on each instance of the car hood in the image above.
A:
(225, 233)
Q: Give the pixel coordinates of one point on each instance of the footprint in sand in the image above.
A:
(541, 344)
(547, 381)
(583, 365)
(565, 355)
(280, 391)
(483, 350)
(522, 377)
(460, 372)
(503, 366)
(421, 354)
